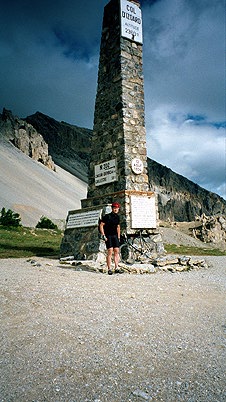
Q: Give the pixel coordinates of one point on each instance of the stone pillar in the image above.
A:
(119, 124)
(118, 164)
(119, 127)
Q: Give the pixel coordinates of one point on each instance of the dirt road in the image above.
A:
(80, 336)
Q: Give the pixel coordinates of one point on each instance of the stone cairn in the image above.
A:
(118, 164)
(118, 142)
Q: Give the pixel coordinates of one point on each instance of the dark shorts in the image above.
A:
(112, 241)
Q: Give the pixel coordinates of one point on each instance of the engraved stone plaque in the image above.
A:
(137, 166)
(105, 172)
(83, 219)
(143, 212)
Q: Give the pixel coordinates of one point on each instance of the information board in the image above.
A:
(83, 219)
(105, 172)
(131, 21)
(143, 212)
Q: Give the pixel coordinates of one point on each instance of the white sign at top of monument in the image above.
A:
(131, 21)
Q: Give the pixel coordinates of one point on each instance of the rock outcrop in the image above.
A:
(69, 145)
(212, 229)
(179, 199)
(25, 137)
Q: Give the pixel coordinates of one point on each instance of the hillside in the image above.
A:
(69, 145)
(179, 199)
(32, 189)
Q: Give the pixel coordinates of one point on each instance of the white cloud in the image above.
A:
(49, 63)
(184, 73)
(184, 56)
(194, 151)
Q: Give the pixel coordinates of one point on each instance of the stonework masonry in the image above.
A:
(118, 134)
(119, 121)
(119, 125)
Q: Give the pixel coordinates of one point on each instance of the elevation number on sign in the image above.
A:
(105, 172)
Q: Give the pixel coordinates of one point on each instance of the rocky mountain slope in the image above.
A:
(179, 199)
(30, 182)
(25, 137)
(69, 145)
(40, 136)
(31, 189)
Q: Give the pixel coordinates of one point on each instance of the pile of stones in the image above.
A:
(161, 264)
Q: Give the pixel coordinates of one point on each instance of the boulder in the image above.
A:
(212, 229)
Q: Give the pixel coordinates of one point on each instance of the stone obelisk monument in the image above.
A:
(118, 164)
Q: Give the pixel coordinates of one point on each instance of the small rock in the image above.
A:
(142, 395)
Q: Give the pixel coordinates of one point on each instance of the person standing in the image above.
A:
(110, 230)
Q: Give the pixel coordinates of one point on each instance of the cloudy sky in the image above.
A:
(49, 55)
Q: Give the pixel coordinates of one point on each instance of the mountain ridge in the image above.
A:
(74, 140)
(179, 199)
(69, 146)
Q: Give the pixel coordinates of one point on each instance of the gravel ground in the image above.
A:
(174, 236)
(82, 336)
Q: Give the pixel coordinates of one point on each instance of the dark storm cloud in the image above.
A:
(184, 79)
(49, 58)
(49, 55)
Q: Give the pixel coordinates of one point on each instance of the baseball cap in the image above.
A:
(115, 204)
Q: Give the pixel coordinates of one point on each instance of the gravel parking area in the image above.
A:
(80, 336)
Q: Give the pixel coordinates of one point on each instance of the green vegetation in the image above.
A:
(9, 218)
(28, 242)
(46, 223)
(17, 242)
(187, 250)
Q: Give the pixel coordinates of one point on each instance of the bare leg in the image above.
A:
(109, 256)
(116, 256)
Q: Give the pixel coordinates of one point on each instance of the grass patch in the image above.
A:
(188, 250)
(28, 242)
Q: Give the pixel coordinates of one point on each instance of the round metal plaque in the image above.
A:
(137, 166)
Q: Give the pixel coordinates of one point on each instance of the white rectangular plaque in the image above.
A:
(83, 219)
(143, 212)
(105, 172)
(131, 21)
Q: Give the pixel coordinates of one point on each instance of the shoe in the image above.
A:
(118, 271)
(110, 272)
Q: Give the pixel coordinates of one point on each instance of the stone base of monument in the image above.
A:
(83, 250)
(81, 237)
(84, 243)
(161, 264)
(82, 240)
(139, 209)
